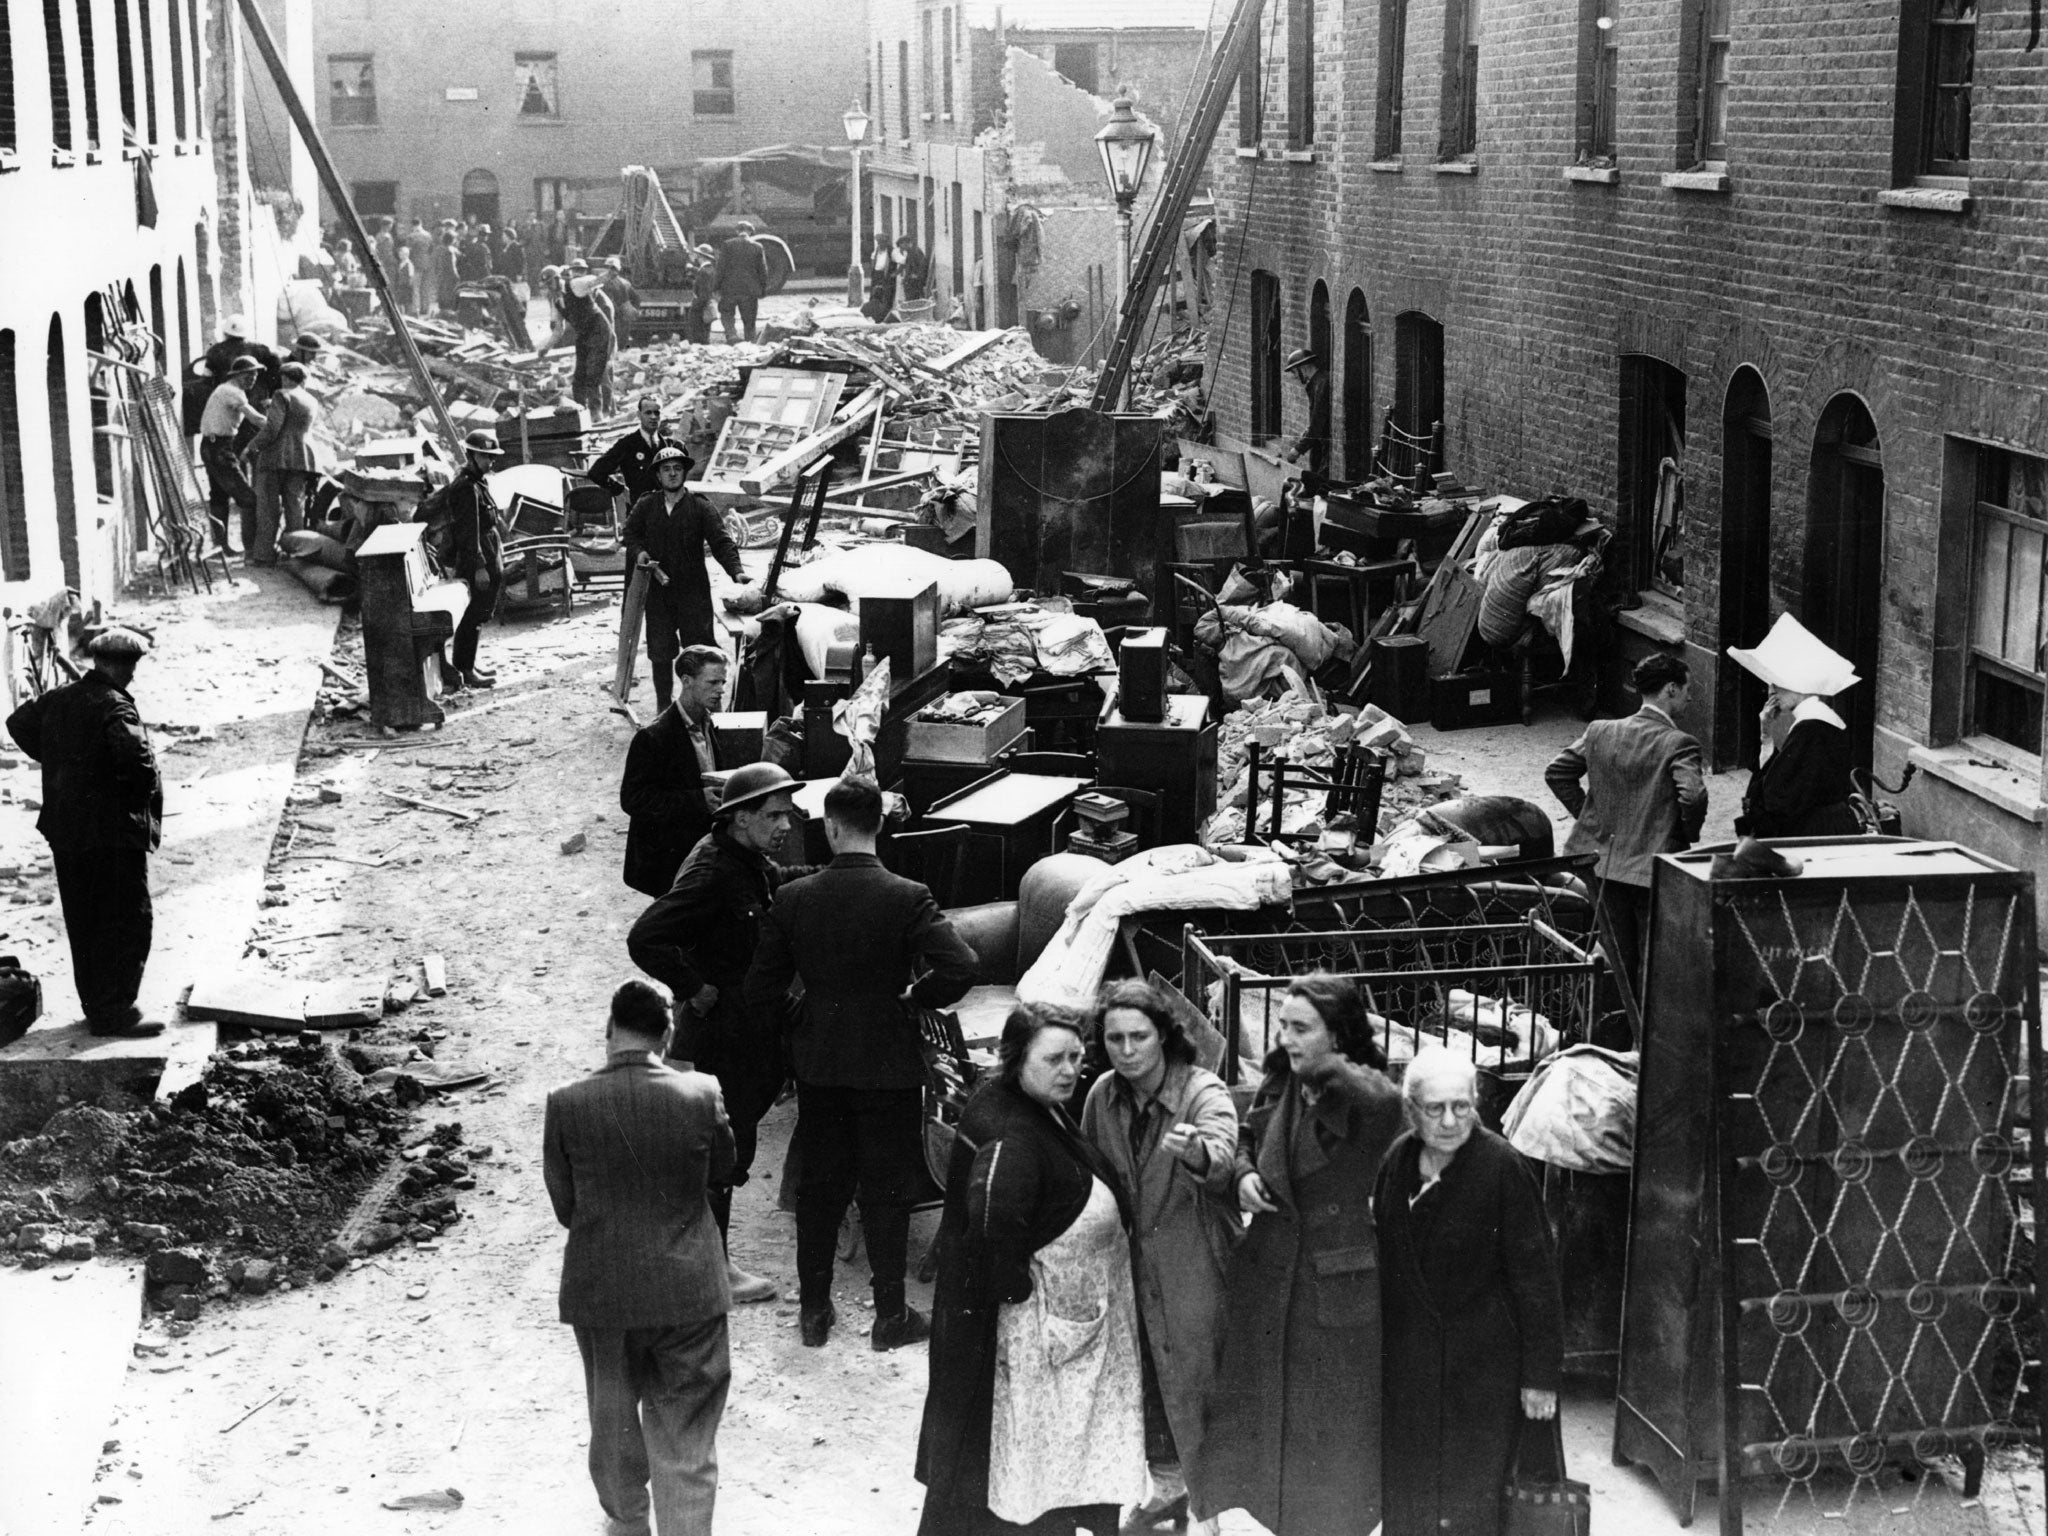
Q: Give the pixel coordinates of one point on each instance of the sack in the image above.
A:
(21, 1000)
(1538, 1499)
(1578, 1112)
(1553, 520)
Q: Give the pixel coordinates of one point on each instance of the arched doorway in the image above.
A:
(480, 196)
(186, 351)
(1745, 562)
(1845, 555)
(1418, 392)
(57, 387)
(1357, 387)
(102, 401)
(159, 334)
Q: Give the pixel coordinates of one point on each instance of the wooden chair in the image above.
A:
(1069, 765)
(1144, 804)
(1354, 784)
(934, 858)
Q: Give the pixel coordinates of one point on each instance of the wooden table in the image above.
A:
(1010, 823)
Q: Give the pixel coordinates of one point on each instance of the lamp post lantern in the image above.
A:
(1125, 145)
(856, 122)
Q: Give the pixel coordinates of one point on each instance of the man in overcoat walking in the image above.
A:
(628, 1155)
(668, 531)
(741, 279)
(103, 815)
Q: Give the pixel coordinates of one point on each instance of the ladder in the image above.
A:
(1184, 173)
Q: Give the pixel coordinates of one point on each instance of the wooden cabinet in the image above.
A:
(1176, 756)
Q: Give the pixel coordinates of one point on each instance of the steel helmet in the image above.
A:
(481, 441)
(1301, 357)
(753, 784)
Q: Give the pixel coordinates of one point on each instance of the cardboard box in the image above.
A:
(936, 741)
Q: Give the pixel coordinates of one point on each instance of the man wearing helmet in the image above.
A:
(698, 941)
(667, 532)
(479, 556)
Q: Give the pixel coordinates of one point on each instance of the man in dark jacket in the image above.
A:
(479, 556)
(1312, 448)
(668, 531)
(663, 787)
(699, 939)
(854, 933)
(742, 278)
(103, 815)
(913, 270)
(628, 1155)
(631, 459)
(287, 463)
(473, 263)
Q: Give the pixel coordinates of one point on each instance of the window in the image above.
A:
(1458, 132)
(88, 75)
(157, 332)
(177, 30)
(63, 475)
(99, 388)
(148, 17)
(533, 76)
(1301, 73)
(958, 231)
(1937, 63)
(1265, 319)
(13, 493)
(1386, 135)
(124, 57)
(878, 92)
(374, 199)
(2009, 539)
(351, 90)
(1358, 421)
(1599, 60)
(711, 83)
(550, 194)
(1248, 102)
(903, 89)
(1710, 116)
(946, 61)
(1079, 62)
(7, 118)
(198, 67)
(1650, 488)
(60, 75)
(928, 102)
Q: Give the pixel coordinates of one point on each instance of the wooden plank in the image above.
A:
(794, 458)
(1449, 620)
(966, 350)
(631, 611)
(260, 1002)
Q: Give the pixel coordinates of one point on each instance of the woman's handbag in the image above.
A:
(1538, 1499)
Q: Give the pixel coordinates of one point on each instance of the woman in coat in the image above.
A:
(1034, 1419)
(1475, 1327)
(1293, 1432)
(1802, 786)
(1169, 1130)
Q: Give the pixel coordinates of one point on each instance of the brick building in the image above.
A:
(79, 263)
(492, 107)
(983, 146)
(1760, 286)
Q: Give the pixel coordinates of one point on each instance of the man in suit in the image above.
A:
(663, 786)
(1637, 789)
(698, 941)
(287, 463)
(668, 531)
(628, 1155)
(854, 933)
(913, 270)
(630, 460)
(742, 278)
(479, 557)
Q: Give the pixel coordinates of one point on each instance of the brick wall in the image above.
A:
(1797, 270)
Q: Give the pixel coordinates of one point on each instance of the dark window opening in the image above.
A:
(1746, 451)
(88, 75)
(2008, 600)
(197, 37)
(903, 88)
(946, 61)
(1599, 67)
(959, 213)
(351, 90)
(374, 198)
(148, 18)
(124, 62)
(100, 385)
(13, 491)
(927, 61)
(60, 76)
(1248, 106)
(1710, 132)
(1301, 73)
(711, 83)
(535, 79)
(1937, 70)
(64, 479)
(1078, 62)
(1650, 478)
(1458, 131)
(1357, 387)
(179, 126)
(158, 334)
(8, 129)
(1266, 357)
(1386, 136)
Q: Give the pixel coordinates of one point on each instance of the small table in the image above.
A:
(1010, 825)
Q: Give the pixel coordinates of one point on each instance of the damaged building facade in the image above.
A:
(982, 149)
(111, 192)
(1761, 288)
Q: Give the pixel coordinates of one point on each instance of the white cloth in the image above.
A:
(1069, 1400)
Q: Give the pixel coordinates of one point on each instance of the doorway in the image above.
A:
(63, 474)
(1745, 563)
(1845, 556)
(1418, 393)
(480, 197)
(1357, 388)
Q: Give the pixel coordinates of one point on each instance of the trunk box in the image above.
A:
(1466, 699)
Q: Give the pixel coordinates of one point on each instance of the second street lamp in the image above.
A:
(856, 122)
(1125, 145)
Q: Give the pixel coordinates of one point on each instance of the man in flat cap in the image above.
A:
(103, 815)
(227, 411)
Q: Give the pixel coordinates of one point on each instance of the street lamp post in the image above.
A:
(856, 122)
(1125, 145)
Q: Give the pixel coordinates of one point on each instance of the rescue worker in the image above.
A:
(584, 312)
(741, 279)
(103, 815)
(288, 463)
(629, 463)
(699, 940)
(479, 557)
(1313, 446)
(667, 531)
(856, 933)
(227, 411)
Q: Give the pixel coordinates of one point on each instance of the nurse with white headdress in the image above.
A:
(1802, 787)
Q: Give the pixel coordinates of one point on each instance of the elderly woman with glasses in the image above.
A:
(1474, 1318)
(1293, 1431)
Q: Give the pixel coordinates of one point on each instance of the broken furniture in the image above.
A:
(1074, 491)
(408, 614)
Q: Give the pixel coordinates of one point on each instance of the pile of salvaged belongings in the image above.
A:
(1260, 638)
(1531, 563)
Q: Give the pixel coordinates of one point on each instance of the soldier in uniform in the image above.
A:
(103, 814)
(698, 941)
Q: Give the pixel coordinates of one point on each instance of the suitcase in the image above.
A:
(1467, 699)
